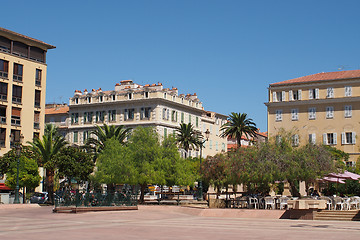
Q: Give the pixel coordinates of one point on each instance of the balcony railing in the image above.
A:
(16, 100)
(38, 83)
(4, 74)
(2, 119)
(15, 121)
(3, 97)
(17, 78)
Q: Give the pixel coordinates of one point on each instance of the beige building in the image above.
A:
(322, 108)
(133, 105)
(22, 88)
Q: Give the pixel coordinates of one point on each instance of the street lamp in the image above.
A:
(18, 153)
(207, 134)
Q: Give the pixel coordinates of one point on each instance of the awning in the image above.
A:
(345, 175)
(4, 187)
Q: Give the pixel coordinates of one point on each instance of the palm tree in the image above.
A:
(238, 125)
(188, 137)
(47, 148)
(104, 133)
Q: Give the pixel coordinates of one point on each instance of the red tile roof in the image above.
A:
(325, 76)
(57, 110)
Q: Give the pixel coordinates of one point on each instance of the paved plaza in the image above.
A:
(162, 222)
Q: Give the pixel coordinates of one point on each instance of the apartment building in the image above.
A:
(22, 88)
(133, 105)
(319, 108)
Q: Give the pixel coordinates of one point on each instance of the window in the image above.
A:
(166, 114)
(17, 94)
(165, 132)
(314, 93)
(3, 115)
(113, 97)
(37, 120)
(37, 98)
(112, 115)
(63, 121)
(210, 144)
(348, 111)
(85, 136)
(129, 114)
(145, 113)
(2, 137)
(76, 100)
(348, 138)
(348, 91)
(312, 113)
(174, 98)
(130, 96)
(165, 95)
(38, 74)
(312, 138)
(182, 117)
(146, 94)
(278, 115)
(294, 95)
(101, 98)
(88, 117)
(3, 91)
(295, 114)
(76, 137)
(4, 69)
(330, 92)
(278, 96)
(174, 116)
(329, 112)
(197, 121)
(88, 99)
(329, 138)
(15, 116)
(100, 116)
(189, 118)
(295, 140)
(18, 72)
(74, 118)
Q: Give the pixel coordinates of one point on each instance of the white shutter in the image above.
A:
(283, 96)
(353, 137)
(313, 138)
(325, 139)
(274, 97)
(168, 114)
(316, 93)
(291, 96)
(343, 138)
(311, 94)
(335, 138)
(299, 94)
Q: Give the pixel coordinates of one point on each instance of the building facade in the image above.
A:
(22, 88)
(133, 105)
(323, 108)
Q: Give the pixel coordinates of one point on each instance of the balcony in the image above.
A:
(16, 100)
(17, 78)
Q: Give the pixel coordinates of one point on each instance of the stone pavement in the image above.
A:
(162, 222)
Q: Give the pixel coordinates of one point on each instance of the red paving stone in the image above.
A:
(163, 222)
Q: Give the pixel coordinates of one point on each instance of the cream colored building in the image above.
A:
(133, 105)
(22, 88)
(322, 108)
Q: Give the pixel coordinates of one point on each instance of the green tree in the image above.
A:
(11, 156)
(188, 137)
(104, 133)
(74, 163)
(29, 176)
(114, 165)
(47, 147)
(238, 125)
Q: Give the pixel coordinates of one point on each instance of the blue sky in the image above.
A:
(227, 51)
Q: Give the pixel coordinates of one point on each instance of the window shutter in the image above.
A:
(335, 138)
(313, 138)
(317, 93)
(343, 138)
(311, 94)
(291, 96)
(353, 137)
(299, 94)
(274, 97)
(142, 113)
(325, 139)
(168, 114)
(283, 96)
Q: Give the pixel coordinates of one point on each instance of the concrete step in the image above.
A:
(351, 215)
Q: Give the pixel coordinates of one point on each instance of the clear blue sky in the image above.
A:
(227, 51)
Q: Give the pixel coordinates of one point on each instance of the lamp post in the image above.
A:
(18, 153)
(207, 134)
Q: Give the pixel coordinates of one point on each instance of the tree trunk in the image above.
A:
(294, 191)
(142, 192)
(50, 184)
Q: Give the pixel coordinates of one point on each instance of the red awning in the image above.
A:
(4, 187)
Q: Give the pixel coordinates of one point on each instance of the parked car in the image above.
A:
(39, 197)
